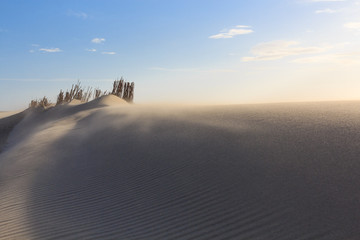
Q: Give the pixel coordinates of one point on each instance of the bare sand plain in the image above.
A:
(110, 170)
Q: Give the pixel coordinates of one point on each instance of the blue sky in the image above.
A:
(207, 52)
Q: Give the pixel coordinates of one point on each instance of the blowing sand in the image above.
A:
(108, 170)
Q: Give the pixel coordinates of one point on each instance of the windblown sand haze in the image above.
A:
(111, 170)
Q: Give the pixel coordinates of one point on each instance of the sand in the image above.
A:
(8, 121)
(110, 170)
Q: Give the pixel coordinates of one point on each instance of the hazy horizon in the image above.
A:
(202, 52)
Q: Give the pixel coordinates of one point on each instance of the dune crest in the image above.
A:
(74, 102)
(226, 172)
(106, 100)
(109, 100)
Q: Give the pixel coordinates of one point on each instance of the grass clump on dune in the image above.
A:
(122, 89)
(41, 103)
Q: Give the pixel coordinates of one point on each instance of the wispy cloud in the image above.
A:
(50, 50)
(352, 25)
(173, 69)
(327, 0)
(91, 50)
(230, 33)
(327, 10)
(199, 70)
(109, 53)
(280, 49)
(98, 40)
(77, 14)
(338, 58)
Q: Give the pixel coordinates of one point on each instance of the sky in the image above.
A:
(182, 51)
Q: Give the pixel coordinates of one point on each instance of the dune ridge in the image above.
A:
(105, 170)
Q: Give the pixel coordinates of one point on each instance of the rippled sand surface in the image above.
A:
(105, 170)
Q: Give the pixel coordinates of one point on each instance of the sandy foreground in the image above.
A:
(109, 170)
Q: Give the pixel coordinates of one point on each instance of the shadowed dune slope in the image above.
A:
(8, 121)
(113, 171)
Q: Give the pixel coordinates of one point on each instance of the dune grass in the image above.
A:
(122, 89)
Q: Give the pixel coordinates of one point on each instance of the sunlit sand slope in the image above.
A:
(116, 171)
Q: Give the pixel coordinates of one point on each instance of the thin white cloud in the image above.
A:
(327, 10)
(327, 0)
(352, 25)
(242, 26)
(238, 30)
(280, 49)
(109, 53)
(50, 50)
(174, 69)
(198, 70)
(315, 59)
(339, 58)
(91, 50)
(31, 51)
(98, 40)
(77, 14)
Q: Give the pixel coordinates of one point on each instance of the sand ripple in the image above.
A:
(236, 172)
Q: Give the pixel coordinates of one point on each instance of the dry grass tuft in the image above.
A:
(60, 98)
(42, 103)
(122, 89)
(97, 93)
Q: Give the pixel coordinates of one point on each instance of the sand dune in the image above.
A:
(107, 170)
(8, 121)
